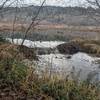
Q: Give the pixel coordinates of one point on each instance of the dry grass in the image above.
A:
(6, 26)
(27, 85)
(81, 45)
(10, 51)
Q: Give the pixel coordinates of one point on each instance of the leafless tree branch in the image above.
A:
(3, 4)
(95, 17)
(95, 3)
(32, 23)
(14, 21)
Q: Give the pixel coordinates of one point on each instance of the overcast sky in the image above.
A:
(63, 3)
(57, 2)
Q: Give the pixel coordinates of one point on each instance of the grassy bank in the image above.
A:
(21, 82)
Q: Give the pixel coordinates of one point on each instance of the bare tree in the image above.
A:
(3, 3)
(33, 24)
(95, 4)
(16, 3)
(14, 21)
(7, 3)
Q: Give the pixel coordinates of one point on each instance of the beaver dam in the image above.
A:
(60, 58)
(63, 59)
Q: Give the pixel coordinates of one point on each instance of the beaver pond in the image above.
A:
(80, 65)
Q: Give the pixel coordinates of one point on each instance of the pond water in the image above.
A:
(80, 65)
(36, 44)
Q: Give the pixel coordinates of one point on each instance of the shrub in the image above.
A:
(2, 39)
(70, 90)
(12, 72)
(18, 77)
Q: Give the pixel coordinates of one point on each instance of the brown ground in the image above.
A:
(22, 27)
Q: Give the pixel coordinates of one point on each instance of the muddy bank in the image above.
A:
(87, 46)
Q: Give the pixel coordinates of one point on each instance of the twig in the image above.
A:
(32, 23)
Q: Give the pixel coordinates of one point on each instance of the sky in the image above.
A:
(57, 2)
(62, 3)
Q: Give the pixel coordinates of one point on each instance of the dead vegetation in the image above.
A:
(20, 82)
(7, 26)
(11, 51)
(80, 45)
